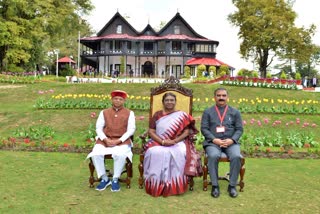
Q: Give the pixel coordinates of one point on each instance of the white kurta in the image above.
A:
(119, 153)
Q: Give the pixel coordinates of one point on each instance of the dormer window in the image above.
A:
(119, 29)
(176, 29)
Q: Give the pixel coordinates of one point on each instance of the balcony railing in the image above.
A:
(133, 52)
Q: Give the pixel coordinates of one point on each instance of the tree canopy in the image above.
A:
(267, 32)
(30, 29)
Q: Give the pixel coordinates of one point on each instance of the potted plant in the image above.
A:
(255, 76)
(298, 78)
(283, 78)
(269, 79)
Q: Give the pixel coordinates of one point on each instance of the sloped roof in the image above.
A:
(148, 28)
(66, 59)
(178, 16)
(153, 34)
(206, 61)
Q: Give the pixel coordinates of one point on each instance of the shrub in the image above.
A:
(283, 75)
(187, 72)
(297, 76)
(200, 69)
(225, 69)
(269, 75)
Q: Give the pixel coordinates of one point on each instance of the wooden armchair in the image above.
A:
(223, 158)
(124, 179)
(185, 99)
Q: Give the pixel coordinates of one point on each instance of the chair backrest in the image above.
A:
(184, 96)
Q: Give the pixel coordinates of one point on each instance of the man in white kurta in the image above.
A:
(114, 128)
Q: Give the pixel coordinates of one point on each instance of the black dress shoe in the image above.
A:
(232, 191)
(215, 192)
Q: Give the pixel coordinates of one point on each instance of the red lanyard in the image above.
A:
(224, 114)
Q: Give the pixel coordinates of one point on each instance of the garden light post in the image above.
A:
(57, 63)
(78, 51)
(80, 22)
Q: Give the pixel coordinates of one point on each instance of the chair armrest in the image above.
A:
(144, 136)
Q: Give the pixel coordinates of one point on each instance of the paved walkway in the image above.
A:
(74, 79)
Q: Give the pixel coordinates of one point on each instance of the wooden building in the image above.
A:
(148, 53)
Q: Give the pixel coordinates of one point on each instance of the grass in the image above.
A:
(37, 182)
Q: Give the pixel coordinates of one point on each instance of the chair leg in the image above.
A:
(191, 182)
(242, 171)
(205, 174)
(129, 173)
(91, 178)
(140, 167)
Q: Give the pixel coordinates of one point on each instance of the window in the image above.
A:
(148, 46)
(162, 45)
(129, 45)
(191, 47)
(176, 46)
(119, 29)
(207, 48)
(176, 29)
(111, 45)
(117, 45)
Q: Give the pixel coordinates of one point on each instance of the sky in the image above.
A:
(207, 17)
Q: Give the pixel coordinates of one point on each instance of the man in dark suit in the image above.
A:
(222, 127)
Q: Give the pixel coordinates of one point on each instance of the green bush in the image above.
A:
(187, 72)
(283, 75)
(68, 71)
(200, 69)
(269, 75)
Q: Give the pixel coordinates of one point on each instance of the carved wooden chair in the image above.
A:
(185, 99)
(126, 174)
(223, 158)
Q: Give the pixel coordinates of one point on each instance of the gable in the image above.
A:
(185, 28)
(115, 21)
(148, 31)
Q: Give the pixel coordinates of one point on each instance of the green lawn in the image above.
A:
(36, 182)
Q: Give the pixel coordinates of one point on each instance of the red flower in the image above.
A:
(268, 150)
(65, 145)
(26, 140)
(306, 145)
(12, 139)
(290, 152)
